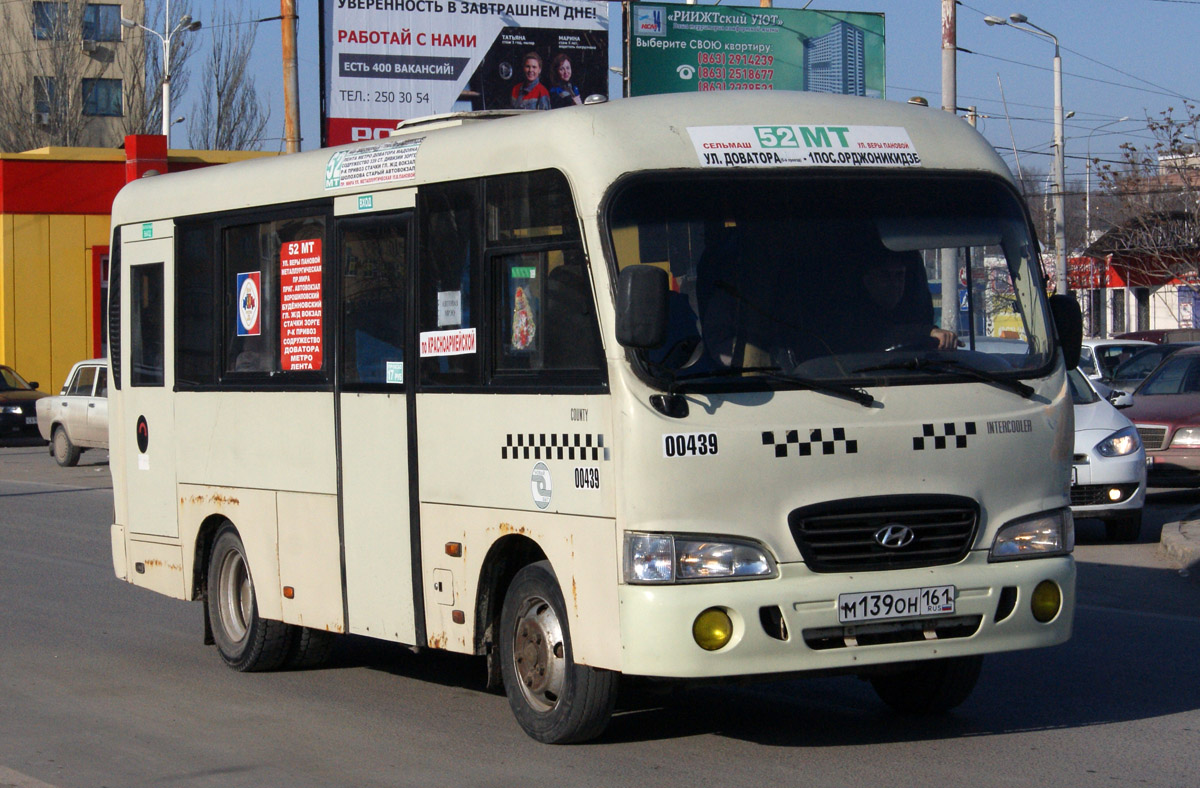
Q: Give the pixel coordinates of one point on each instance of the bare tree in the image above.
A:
(1153, 194)
(51, 83)
(229, 115)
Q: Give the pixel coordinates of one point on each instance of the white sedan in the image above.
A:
(77, 419)
(1108, 477)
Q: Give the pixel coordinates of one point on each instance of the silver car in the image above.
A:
(1108, 478)
(77, 419)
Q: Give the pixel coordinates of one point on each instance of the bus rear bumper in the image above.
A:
(790, 623)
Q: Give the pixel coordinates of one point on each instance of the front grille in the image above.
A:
(1097, 494)
(840, 536)
(1153, 438)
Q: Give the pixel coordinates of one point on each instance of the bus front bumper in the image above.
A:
(791, 623)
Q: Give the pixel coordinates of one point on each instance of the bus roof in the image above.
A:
(592, 144)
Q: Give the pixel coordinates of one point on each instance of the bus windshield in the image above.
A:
(836, 277)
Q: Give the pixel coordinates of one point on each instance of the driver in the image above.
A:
(899, 309)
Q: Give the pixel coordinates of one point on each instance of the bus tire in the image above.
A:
(554, 700)
(245, 640)
(931, 687)
(65, 453)
(309, 648)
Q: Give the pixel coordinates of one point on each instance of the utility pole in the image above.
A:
(291, 82)
(949, 257)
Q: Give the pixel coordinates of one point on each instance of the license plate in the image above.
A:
(31, 419)
(905, 603)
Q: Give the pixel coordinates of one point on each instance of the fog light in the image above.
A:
(1046, 601)
(1114, 494)
(712, 629)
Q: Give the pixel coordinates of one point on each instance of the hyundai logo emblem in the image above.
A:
(894, 536)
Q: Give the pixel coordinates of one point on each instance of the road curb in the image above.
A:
(1180, 541)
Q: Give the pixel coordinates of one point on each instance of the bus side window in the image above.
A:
(446, 309)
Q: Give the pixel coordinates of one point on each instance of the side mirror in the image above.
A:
(33, 384)
(642, 306)
(1068, 324)
(1120, 399)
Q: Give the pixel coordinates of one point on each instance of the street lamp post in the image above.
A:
(185, 24)
(1021, 22)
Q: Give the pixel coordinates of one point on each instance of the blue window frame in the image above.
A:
(43, 93)
(46, 20)
(102, 22)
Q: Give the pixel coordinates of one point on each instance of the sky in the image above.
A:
(1121, 59)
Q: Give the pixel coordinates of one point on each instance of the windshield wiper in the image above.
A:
(953, 367)
(678, 384)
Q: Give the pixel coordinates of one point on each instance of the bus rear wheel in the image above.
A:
(554, 700)
(245, 640)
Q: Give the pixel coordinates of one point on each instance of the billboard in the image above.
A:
(384, 61)
(692, 48)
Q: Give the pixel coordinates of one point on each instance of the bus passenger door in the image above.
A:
(373, 424)
(145, 425)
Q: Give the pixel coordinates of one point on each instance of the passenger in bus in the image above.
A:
(531, 94)
(899, 308)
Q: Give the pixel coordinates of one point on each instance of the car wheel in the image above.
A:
(65, 453)
(245, 640)
(554, 700)
(1125, 528)
(931, 687)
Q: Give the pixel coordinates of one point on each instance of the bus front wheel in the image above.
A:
(245, 640)
(554, 700)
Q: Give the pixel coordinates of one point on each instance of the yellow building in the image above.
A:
(54, 237)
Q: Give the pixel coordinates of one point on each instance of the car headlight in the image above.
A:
(667, 558)
(1039, 536)
(1123, 442)
(11, 409)
(1186, 437)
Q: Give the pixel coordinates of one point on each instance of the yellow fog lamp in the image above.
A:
(712, 629)
(1046, 601)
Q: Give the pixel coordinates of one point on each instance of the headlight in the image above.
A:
(666, 558)
(1123, 442)
(1039, 536)
(11, 409)
(1186, 437)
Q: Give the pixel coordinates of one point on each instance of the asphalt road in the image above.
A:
(103, 684)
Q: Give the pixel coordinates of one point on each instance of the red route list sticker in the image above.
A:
(301, 317)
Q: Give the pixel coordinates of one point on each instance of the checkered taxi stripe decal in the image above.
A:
(943, 436)
(823, 441)
(554, 446)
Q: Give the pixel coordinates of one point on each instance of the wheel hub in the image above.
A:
(539, 654)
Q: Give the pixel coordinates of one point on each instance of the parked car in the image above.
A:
(1129, 374)
(18, 400)
(1108, 476)
(1165, 408)
(77, 419)
(1162, 336)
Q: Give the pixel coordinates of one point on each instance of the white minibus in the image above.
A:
(651, 388)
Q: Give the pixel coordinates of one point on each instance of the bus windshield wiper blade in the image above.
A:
(776, 374)
(954, 368)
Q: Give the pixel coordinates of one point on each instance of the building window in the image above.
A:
(102, 22)
(47, 20)
(102, 97)
(43, 94)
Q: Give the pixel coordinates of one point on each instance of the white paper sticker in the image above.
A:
(449, 308)
(391, 161)
(804, 146)
(143, 462)
(540, 485)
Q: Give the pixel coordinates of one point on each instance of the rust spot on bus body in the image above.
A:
(509, 528)
(215, 498)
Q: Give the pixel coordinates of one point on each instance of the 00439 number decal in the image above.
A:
(690, 444)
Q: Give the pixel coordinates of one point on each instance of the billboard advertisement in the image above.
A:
(388, 60)
(692, 48)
